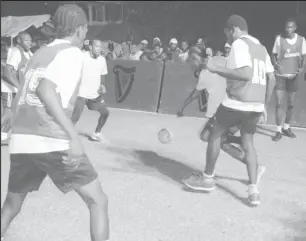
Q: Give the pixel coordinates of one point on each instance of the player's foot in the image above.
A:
(277, 136)
(99, 137)
(200, 182)
(288, 132)
(260, 171)
(254, 197)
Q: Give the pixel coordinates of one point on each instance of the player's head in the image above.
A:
(24, 40)
(197, 57)
(290, 27)
(95, 48)
(70, 22)
(209, 52)
(236, 26)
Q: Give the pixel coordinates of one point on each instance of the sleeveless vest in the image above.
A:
(30, 117)
(23, 63)
(290, 55)
(254, 90)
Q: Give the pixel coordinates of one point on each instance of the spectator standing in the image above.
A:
(185, 51)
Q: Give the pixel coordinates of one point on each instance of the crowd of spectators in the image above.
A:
(157, 51)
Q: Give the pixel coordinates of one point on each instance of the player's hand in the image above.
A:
(75, 153)
(263, 118)
(300, 70)
(278, 68)
(211, 66)
(102, 89)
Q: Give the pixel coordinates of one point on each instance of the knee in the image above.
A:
(98, 200)
(104, 112)
(14, 204)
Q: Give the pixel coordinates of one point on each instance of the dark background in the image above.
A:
(190, 20)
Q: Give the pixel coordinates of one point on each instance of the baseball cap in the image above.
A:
(144, 42)
(173, 41)
(156, 38)
(237, 21)
(227, 45)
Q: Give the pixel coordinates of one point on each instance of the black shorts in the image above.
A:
(7, 99)
(27, 172)
(246, 120)
(287, 84)
(92, 104)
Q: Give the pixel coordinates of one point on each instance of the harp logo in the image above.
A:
(123, 81)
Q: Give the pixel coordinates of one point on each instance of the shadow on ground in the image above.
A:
(167, 168)
(297, 223)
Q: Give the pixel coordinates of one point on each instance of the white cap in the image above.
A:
(227, 45)
(173, 41)
(200, 41)
(156, 38)
(144, 42)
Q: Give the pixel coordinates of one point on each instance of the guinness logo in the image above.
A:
(123, 81)
(203, 98)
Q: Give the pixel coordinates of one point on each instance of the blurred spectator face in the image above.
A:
(156, 41)
(173, 44)
(144, 44)
(227, 49)
(153, 56)
(157, 48)
(96, 48)
(209, 52)
(218, 53)
(133, 49)
(184, 45)
(111, 47)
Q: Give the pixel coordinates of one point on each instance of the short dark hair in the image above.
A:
(237, 21)
(290, 20)
(67, 18)
(93, 40)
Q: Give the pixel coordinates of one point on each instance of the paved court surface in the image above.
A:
(147, 203)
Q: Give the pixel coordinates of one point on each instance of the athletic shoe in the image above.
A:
(200, 182)
(254, 197)
(99, 137)
(277, 136)
(288, 132)
(260, 171)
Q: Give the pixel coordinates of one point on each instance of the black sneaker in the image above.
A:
(277, 136)
(288, 132)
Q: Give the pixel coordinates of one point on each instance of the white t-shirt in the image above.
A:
(13, 59)
(239, 57)
(136, 56)
(65, 72)
(91, 75)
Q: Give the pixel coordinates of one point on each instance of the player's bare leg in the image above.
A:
(289, 114)
(251, 163)
(11, 208)
(279, 113)
(97, 203)
(104, 114)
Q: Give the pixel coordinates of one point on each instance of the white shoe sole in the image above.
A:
(199, 188)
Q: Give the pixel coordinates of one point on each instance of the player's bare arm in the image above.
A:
(46, 91)
(193, 95)
(243, 74)
(270, 87)
(10, 76)
(102, 84)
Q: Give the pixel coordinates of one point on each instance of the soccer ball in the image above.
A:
(165, 136)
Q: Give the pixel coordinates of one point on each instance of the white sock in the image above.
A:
(279, 129)
(286, 126)
(252, 188)
(208, 176)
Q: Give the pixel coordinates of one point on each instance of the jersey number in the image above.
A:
(31, 81)
(259, 72)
